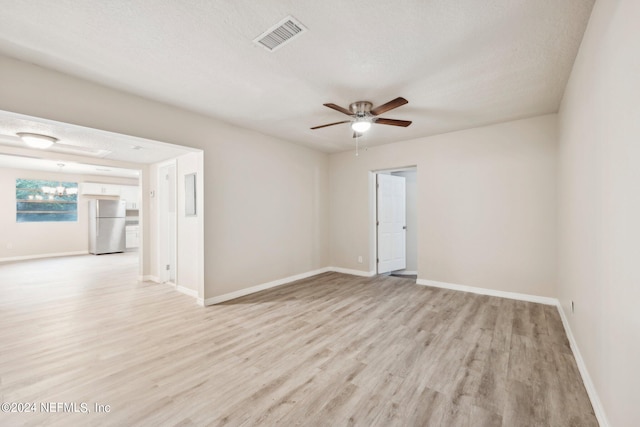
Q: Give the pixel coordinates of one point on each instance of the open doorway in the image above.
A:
(113, 167)
(394, 213)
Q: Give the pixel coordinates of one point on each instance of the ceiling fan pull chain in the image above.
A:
(357, 140)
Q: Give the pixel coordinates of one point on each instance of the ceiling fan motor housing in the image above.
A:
(362, 115)
(361, 108)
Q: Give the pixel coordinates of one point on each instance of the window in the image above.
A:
(38, 200)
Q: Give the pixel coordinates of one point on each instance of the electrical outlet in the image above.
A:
(360, 259)
(573, 307)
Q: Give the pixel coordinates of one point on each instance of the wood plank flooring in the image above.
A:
(332, 350)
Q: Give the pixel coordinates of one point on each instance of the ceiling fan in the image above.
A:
(362, 115)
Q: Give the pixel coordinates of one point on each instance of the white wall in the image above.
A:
(267, 210)
(486, 203)
(599, 205)
(265, 200)
(190, 268)
(34, 239)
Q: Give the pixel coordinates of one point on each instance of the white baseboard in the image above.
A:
(598, 409)
(182, 289)
(490, 292)
(191, 292)
(51, 255)
(352, 272)
(262, 287)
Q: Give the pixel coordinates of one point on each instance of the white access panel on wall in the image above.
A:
(391, 223)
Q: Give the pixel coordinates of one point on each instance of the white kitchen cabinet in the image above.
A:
(131, 194)
(132, 236)
(96, 188)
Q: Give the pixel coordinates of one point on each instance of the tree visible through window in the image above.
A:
(39, 200)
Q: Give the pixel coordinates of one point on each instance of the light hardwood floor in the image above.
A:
(332, 350)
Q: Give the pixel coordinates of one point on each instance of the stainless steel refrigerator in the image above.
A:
(107, 226)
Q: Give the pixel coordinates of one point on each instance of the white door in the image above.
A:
(167, 222)
(391, 221)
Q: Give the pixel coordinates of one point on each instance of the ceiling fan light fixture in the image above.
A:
(361, 125)
(36, 140)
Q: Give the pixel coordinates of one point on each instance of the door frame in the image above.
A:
(162, 233)
(373, 213)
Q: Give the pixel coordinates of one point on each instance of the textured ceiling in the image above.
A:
(18, 162)
(86, 142)
(459, 63)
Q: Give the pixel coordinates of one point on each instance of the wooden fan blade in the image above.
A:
(389, 106)
(331, 124)
(392, 122)
(339, 108)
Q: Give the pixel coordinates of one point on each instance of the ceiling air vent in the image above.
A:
(280, 34)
